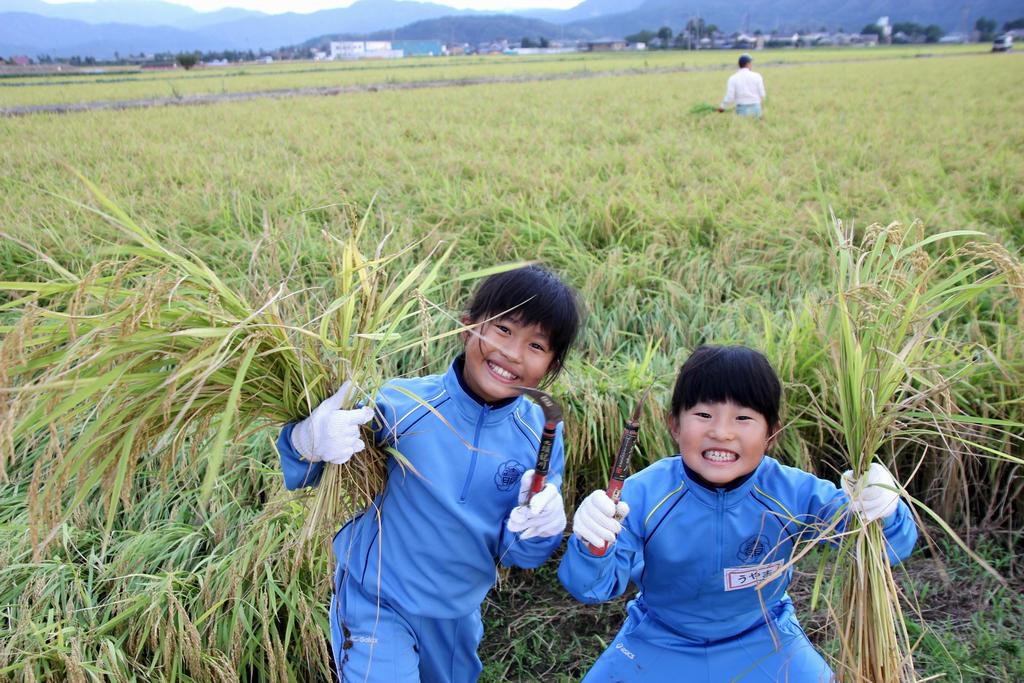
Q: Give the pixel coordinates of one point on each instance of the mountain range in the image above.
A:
(99, 29)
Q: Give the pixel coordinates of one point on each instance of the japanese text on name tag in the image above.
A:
(738, 578)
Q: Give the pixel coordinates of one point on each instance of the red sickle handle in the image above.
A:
(540, 472)
(620, 469)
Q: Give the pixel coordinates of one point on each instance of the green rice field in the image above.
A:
(677, 226)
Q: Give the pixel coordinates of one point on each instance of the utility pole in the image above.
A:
(964, 19)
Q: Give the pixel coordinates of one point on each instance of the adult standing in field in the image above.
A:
(746, 89)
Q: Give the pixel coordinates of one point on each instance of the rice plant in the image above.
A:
(674, 232)
(130, 390)
(152, 353)
(893, 360)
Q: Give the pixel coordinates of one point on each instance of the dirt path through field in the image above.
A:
(214, 98)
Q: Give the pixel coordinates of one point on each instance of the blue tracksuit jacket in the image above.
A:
(429, 543)
(696, 552)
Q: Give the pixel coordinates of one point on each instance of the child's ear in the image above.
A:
(672, 422)
(464, 335)
(773, 436)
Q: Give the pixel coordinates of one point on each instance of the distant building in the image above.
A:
(865, 39)
(886, 26)
(781, 40)
(903, 38)
(363, 49)
(346, 49)
(493, 48)
(20, 60)
(543, 50)
(419, 48)
(607, 45)
(747, 41)
(817, 39)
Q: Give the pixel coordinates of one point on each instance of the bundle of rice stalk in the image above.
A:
(153, 352)
(703, 108)
(887, 393)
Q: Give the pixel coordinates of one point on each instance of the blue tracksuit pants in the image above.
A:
(644, 651)
(375, 641)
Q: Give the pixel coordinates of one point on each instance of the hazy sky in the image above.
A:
(278, 6)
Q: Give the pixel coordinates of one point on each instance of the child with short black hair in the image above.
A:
(414, 567)
(701, 529)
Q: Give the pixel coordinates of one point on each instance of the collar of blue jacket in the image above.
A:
(733, 491)
(459, 368)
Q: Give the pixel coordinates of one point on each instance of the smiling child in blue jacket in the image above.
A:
(700, 530)
(413, 568)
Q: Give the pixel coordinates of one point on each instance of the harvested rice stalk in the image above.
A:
(892, 361)
(153, 352)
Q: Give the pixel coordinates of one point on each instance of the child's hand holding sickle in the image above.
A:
(598, 519)
(541, 512)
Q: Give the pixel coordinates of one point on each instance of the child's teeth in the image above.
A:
(720, 456)
(502, 372)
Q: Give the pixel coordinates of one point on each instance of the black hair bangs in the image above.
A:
(531, 296)
(715, 374)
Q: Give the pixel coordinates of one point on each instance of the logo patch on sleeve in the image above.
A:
(508, 475)
(748, 576)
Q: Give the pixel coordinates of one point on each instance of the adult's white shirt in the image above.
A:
(744, 87)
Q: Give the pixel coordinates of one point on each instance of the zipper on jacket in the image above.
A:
(719, 523)
(476, 449)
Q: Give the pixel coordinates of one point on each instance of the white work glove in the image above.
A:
(543, 517)
(875, 496)
(330, 434)
(597, 519)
